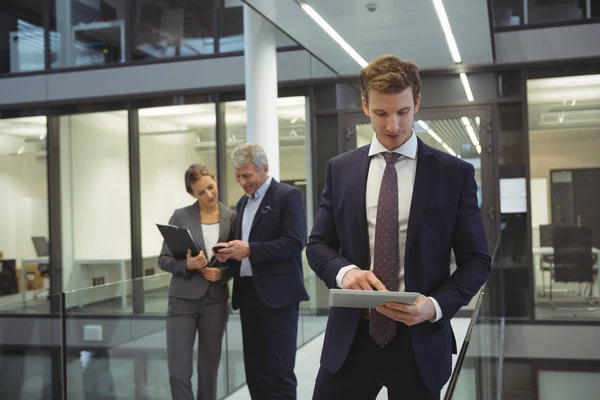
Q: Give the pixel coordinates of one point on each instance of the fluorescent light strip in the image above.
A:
(448, 149)
(334, 35)
(466, 86)
(441, 13)
(436, 137)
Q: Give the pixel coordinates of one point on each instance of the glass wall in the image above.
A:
(24, 268)
(96, 32)
(21, 36)
(510, 13)
(564, 148)
(171, 139)
(96, 239)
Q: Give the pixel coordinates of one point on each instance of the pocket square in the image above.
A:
(266, 210)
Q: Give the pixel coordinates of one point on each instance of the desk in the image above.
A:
(37, 260)
(79, 264)
(549, 250)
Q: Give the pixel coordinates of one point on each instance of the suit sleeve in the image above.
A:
(167, 262)
(230, 267)
(293, 232)
(323, 246)
(470, 249)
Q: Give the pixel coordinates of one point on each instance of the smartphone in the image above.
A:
(216, 249)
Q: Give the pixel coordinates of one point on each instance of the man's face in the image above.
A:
(250, 178)
(392, 116)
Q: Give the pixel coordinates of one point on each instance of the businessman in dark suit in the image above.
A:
(391, 213)
(270, 237)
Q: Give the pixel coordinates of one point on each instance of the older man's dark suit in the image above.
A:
(269, 300)
(444, 215)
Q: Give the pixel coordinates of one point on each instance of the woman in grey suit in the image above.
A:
(198, 290)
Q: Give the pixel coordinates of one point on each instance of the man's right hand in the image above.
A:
(358, 279)
(197, 262)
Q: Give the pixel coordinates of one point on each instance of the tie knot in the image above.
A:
(391, 157)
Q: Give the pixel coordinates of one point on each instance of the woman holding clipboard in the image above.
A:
(198, 290)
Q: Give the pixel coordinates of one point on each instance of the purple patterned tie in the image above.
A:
(386, 264)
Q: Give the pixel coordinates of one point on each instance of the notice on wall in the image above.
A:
(513, 196)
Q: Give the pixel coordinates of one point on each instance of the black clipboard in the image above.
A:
(178, 240)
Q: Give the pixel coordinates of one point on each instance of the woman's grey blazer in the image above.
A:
(187, 284)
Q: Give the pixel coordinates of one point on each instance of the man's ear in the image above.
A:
(365, 104)
(417, 103)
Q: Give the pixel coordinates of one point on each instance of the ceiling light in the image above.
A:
(465, 121)
(423, 125)
(448, 149)
(466, 86)
(293, 121)
(334, 35)
(478, 147)
(573, 102)
(441, 13)
(43, 136)
(21, 150)
(478, 121)
(435, 136)
(472, 136)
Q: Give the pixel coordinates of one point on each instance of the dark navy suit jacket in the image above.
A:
(277, 238)
(444, 215)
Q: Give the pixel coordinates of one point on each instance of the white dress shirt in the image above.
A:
(406, 168)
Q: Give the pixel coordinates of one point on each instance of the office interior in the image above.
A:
(84, 181)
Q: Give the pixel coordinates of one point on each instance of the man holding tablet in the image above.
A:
(391, 213)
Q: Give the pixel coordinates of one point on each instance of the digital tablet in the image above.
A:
(178, 240)
(368, 298)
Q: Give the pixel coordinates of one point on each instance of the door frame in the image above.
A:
(490, 199)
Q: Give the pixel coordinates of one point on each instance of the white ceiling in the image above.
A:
(409, 28)
(562, 107)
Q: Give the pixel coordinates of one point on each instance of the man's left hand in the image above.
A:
(410, 314)
(236, 249)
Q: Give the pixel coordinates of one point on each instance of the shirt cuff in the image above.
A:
(438, 310)
(341, 273)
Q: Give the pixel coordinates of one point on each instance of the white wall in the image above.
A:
(23, 204)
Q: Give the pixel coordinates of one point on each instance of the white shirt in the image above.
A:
(406, 168)
(210, 232)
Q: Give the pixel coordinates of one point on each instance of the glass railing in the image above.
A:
(478, 370)
(516, 13)
(106, 346)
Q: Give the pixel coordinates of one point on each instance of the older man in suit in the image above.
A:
(270, 237)
(391, 213)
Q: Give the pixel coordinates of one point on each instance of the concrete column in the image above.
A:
(260, 62)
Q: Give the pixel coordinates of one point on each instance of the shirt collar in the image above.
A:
(262, 189)
(408, 149)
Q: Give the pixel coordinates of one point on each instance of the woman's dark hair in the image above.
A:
(194, 173)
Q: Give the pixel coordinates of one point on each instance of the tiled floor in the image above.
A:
(307, 364)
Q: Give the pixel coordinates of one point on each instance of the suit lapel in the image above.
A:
(360, 205)
(240, 218)
(266, 201)
(196, 225)
(422, 186)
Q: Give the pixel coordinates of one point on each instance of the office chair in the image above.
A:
(573, 258)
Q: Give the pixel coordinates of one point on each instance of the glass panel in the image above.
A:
(87, 32)
(564, 141)
(231, 28)
(539, 12)
(173, 29)
(30, 349)
(94, 166)
(24, 264)
(171, 139)
(508, 12)
(21, 36)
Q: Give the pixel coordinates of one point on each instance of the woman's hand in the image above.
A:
(211, 274)
(197, 262)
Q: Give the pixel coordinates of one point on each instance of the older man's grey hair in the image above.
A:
(249, 153)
